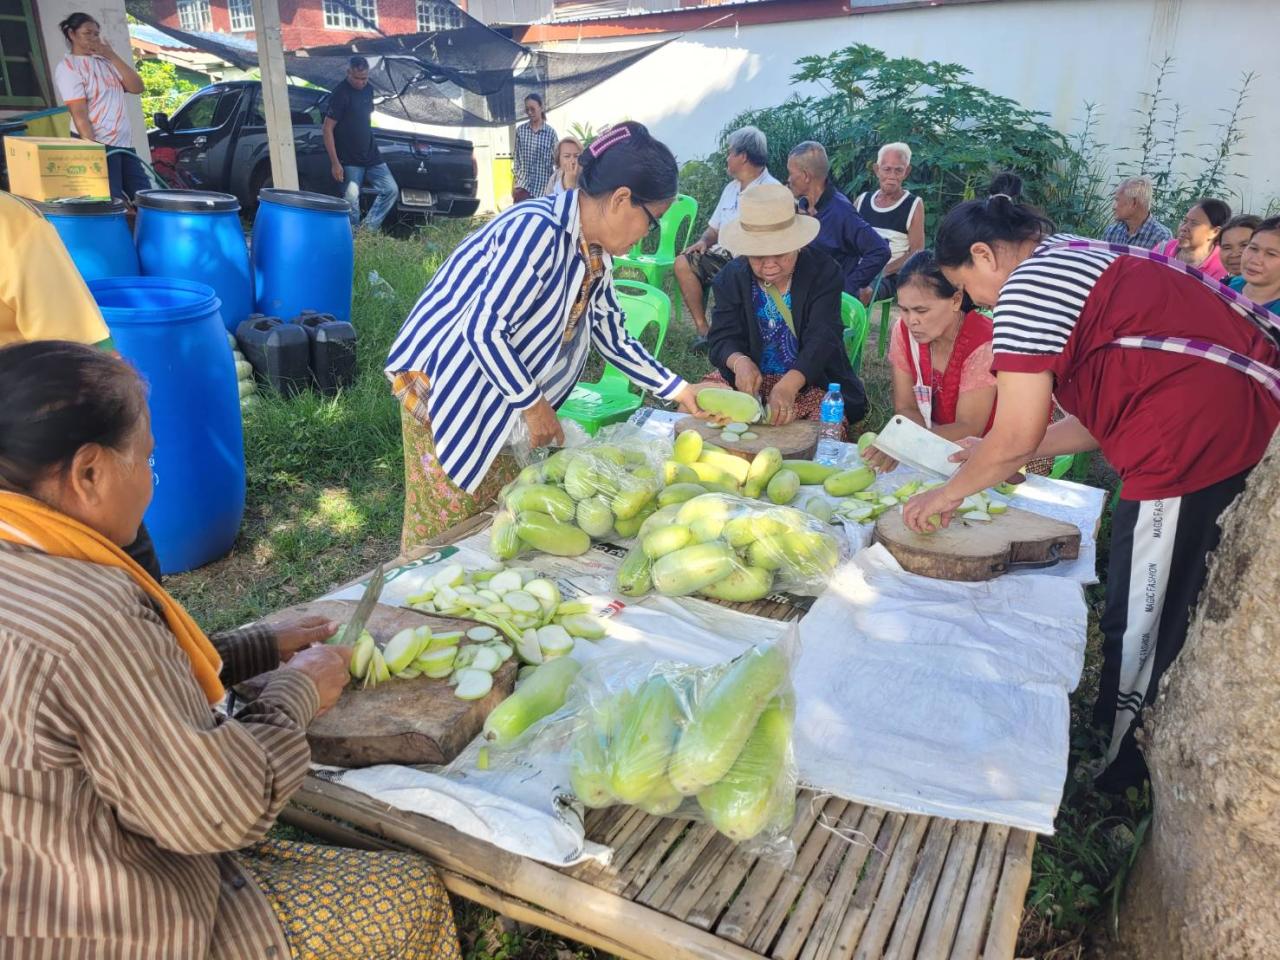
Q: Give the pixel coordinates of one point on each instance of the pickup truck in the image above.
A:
(217, 140)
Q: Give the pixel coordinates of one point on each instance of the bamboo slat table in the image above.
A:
(907, 886)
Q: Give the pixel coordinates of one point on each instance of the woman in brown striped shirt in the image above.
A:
(123, 795)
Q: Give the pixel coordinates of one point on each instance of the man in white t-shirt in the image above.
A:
(698, 264)
(92, 80)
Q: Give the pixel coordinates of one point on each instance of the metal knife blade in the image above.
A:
(364, 609)
(909, 443)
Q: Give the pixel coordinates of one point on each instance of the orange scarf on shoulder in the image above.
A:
(33, 524)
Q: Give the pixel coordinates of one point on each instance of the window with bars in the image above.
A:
(241, 14)
(21, 65)
(194, 15)
(339, 15)
(437, 15)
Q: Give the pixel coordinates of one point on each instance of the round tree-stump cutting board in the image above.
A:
(400, 721)
(971, 550)
(797, 440)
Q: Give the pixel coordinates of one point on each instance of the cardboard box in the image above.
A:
(56, 168)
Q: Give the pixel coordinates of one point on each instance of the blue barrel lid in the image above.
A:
(83, 208)
(138, 300)
(304, 199)
(186, 201)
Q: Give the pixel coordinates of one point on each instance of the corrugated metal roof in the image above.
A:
(573, 11)
(149, 34)
(570, 11)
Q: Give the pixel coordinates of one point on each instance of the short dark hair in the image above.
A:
(990, 221)
(1269, 225)
(922, 268)
(74, 23)
(1247, 221)
(56, 397)
(627, 155)
(1005, 182)
(535, 97)
(358, 63)
(1217, 212)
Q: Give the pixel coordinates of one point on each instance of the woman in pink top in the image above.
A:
(92, 80)
(1196, 241)
(941, 356)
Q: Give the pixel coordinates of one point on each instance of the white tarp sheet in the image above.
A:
(936, 697)
(913, 694)
(518, 802)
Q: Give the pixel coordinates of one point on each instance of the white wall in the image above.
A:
(115, 30)
(1051, 55)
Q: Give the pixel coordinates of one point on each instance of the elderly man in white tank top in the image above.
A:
(895, 213)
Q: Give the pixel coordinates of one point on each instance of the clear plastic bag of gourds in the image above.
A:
(600, 490)
(246, 385)
(726, 547)
(711, 743)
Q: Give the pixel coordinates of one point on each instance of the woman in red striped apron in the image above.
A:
(940, 353)
(1172, 375)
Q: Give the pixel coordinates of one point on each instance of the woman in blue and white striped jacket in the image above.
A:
(503, 329)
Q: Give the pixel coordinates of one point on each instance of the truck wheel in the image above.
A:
(261, 178)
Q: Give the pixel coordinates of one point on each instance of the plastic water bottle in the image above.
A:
(379, 287)
(832, 413)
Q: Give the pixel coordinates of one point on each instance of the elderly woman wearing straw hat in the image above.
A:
(775, 331)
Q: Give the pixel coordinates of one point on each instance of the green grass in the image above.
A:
(325, 476)
(325, 498)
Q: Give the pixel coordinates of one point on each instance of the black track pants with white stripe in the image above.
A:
(1159, 557)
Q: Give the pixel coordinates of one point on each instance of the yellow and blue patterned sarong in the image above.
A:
(340, 904)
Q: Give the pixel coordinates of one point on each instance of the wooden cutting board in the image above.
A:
(797, 440)
(979, 551)
(401, 721)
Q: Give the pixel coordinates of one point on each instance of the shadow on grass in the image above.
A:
(325, 487)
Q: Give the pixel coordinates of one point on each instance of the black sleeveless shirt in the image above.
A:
(892, 223)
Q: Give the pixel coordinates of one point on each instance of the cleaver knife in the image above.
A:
(364, 609)
(909, 443)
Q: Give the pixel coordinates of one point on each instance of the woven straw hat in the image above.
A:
(767, 223)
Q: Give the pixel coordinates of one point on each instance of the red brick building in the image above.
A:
(313, 23)
(317, 23)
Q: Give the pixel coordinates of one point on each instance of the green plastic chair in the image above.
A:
(854, 317)
(609, 399)
(885, 307)
(675, 228)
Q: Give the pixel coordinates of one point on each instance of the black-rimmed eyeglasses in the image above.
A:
(653, 221)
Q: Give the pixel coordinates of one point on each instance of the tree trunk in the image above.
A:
(1206, 882)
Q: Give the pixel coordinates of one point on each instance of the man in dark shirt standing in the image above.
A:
(353, 153)
(842, 233)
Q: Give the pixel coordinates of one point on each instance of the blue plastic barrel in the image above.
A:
(303, 258)
(96, 234)
(172, 331)
(196, 235)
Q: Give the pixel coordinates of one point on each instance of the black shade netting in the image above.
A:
(468, 76)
